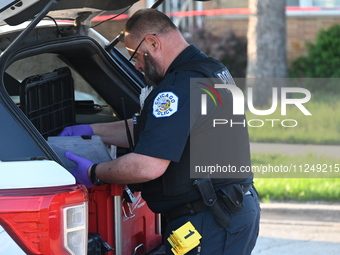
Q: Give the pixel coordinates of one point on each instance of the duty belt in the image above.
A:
(195, 207)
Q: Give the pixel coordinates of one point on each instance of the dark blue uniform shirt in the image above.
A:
(167, 109)
(164, 131)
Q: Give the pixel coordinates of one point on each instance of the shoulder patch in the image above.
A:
(165, 104)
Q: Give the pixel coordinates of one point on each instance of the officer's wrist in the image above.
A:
(93, 177)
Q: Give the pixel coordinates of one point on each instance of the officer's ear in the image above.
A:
(153, 42)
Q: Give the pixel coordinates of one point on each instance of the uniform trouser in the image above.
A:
(238, 238)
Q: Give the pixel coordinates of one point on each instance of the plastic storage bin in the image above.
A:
(48, 101)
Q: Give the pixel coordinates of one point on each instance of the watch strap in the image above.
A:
(94, 179)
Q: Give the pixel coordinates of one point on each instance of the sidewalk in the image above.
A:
(299, 229)
(332, 151)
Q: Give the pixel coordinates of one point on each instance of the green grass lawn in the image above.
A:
(323, 127)
(310, 186)
(299, 166)
(301, 189)
(312, 179)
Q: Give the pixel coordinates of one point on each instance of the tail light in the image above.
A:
(46, 220)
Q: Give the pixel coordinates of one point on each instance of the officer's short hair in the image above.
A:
(148, 21)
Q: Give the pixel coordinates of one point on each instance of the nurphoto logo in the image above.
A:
(239, 104)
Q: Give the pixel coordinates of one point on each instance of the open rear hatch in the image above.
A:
(15, 12)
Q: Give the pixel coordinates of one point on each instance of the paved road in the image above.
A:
(299, 229)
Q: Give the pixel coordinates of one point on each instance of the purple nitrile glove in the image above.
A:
(77, 130)
(81, 170)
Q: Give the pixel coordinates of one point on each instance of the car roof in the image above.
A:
(15, 12)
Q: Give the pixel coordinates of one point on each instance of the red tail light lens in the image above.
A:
(46, 220)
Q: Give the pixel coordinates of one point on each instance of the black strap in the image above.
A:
(210, 199)
(197, 206)
(128, 133)
(191, 208)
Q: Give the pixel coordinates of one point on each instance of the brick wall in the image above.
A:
(220, 26)
(302, 29)
(299, 30)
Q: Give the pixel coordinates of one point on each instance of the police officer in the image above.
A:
(169, 123)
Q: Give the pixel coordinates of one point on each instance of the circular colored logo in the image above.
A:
(165, 104)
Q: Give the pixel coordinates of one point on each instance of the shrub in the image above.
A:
(228, 48)
(322, 60)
